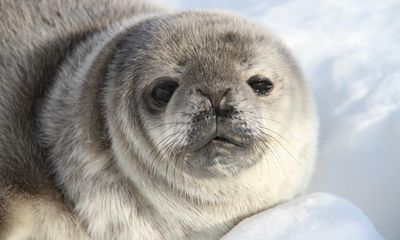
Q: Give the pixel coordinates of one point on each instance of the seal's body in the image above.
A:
(121, 121)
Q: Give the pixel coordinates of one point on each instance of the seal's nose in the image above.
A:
(220, 103)
(215, 97)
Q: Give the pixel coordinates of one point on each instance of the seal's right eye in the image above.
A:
(260, 85)
(163, 90)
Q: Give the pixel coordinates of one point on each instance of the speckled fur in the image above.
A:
(74, 138)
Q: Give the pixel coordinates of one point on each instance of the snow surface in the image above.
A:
(312, 217)
(350, 53)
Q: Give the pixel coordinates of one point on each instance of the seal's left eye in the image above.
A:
(162, 92)
(260, 85)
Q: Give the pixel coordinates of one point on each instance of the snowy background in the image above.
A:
(317, 216)
(350, 53)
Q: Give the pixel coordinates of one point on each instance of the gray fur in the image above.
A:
(85, 155)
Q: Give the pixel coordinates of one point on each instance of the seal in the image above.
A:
(121, 120)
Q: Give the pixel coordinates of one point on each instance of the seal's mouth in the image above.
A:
(216, 150)
(219, 140)
(225, 140)
(222, 154)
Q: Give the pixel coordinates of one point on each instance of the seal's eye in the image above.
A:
(162, 92)
(260, 85)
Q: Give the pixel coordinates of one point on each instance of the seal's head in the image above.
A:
(209, 96)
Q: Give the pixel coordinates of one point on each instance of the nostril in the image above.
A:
(201, 92)
(222, 96)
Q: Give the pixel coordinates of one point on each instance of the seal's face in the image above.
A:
(211, 127)
(216, 95)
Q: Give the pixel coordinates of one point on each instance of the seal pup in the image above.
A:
(119, 120)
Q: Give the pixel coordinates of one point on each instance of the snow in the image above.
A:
(312, 217)
(350, 53)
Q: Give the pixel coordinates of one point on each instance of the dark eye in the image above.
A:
(260, 85)
(163, 90)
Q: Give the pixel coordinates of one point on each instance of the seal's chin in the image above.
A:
(220, 156)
